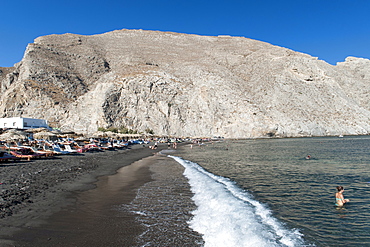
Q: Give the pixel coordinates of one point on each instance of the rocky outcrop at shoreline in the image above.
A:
(186, 85)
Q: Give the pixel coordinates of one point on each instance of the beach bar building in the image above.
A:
(22, 123)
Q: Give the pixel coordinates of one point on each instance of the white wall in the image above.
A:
(22, 123)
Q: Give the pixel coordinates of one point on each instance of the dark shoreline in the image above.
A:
(33, 191)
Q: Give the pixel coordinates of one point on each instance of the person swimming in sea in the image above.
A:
(339, 198)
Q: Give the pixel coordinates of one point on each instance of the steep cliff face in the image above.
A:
(186, 85)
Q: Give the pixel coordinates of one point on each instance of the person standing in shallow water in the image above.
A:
(339, 198)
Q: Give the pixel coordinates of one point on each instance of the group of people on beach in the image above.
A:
(155, 146)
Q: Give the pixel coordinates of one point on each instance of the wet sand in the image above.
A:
(164, 206)
(40, 199)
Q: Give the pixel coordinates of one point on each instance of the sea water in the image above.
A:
(265, 193)
(228, 216)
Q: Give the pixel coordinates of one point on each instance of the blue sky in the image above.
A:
(327, 29)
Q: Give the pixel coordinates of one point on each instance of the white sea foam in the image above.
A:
(226, 215)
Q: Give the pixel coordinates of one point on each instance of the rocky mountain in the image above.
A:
(185, 85)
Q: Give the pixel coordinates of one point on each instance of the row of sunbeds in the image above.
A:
(48, 150)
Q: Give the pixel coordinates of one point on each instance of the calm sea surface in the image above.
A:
(299, 192)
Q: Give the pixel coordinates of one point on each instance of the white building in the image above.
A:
(22, 123)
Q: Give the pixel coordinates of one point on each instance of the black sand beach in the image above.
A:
(60, 201)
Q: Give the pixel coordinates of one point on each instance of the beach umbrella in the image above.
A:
(45, 135)
(111, 134)
(81, 138)
(13, 134)
(67, 134)
(99, 134)
(36, 130)
(130, 135)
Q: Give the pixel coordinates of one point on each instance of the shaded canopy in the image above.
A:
(13, 134)
(99, 134)
(45, 135)
(130, 135)
(36, 130)
(110, 134)
(81, 138)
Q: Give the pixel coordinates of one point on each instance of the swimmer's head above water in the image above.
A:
(340, 188)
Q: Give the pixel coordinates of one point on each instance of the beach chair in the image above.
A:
(24, 156)
(47, 153)
(33, 150)
(47, 148)
(68, 148)
(4, 156)
(7, 147)
(92, 147)
(106, 147)
(58, 150)
(80, 149)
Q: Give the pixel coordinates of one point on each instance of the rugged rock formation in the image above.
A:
(186, 85)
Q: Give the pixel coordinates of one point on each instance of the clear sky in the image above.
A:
(328, 29)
